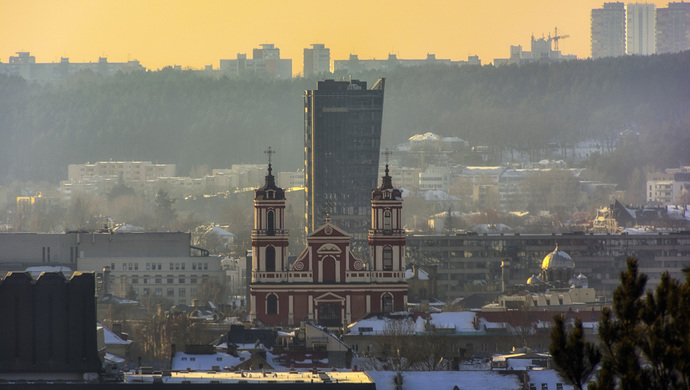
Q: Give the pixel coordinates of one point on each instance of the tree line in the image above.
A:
(192, 119)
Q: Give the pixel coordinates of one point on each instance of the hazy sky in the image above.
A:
(194, 33)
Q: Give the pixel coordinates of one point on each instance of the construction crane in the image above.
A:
(556, 38)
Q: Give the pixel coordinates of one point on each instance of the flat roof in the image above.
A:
(251, 377)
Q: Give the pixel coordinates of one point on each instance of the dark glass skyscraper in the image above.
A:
(342, 137)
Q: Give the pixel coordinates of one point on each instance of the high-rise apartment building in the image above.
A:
(317, 60)
(608, 30)
(266, 61)
(641, 29)
(673, 28)
(342, 139)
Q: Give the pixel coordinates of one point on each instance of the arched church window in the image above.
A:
(387, 258)
(387, 221)
(272, 304)
(387, 303)
(270, 259)
(270, 223)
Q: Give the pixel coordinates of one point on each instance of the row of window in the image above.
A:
(159, 266)
(170, 279)
(170, 292)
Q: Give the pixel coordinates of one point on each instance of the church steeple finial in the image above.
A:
(270, 152)
(387, 180)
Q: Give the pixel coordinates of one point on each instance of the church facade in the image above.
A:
(326, 283)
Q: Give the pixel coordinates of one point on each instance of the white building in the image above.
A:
(670, 187)
(266, 61)
(317, 60)
(641, 29)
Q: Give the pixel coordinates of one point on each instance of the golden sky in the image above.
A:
(194, 33)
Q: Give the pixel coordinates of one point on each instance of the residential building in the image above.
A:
(25, 65)
(342, 142)
(608, 30)
(127, 170)
(669, 187)
(641, 29)
(327, 283)
(266, 61)
(355, 65)
(673, 28)
(317, 60)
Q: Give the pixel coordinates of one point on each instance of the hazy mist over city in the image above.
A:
(382, 187)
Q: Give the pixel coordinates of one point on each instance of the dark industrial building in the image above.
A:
(342, 136)
(48, 325)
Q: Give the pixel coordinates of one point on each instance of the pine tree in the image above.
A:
(575, 358)
(644, 337)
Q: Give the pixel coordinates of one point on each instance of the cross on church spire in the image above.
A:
(270, 152)
(387, 154)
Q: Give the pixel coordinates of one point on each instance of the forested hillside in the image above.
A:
(188, 119)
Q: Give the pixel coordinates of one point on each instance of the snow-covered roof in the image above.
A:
(421, 274)
(462, 321)
(36, 271)
(438, 195)
(128, 228)
(221, 232)
(428, 136)
(200, 362)
(491, 228)
(464, 380)
(678, 212)
(110, 358)
(380, 324)
(112, 338)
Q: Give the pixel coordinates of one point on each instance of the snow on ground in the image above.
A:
(467, 380)
(447, 380)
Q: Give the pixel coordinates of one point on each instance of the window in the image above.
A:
(192, 279)
(148, 266)
(387, 258)
(124, 266)
(272, 304)
(177, 266)
(270, 259)
(159, 292)
(192, 292)
(146, 279)
(171, 279)
(160, 266)
(146, 292)
(387, 221)
(171, 266)
(159, 279)
(135, 279)
(130, 266)
(270, 229)
(181, 279)
(181, 292)
(193, 266)
(136, 266)
(205, 265)
(171, 292)
(183, 265)
(387, 304)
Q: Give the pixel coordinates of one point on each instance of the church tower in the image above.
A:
(386, 236)
(269, 239)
